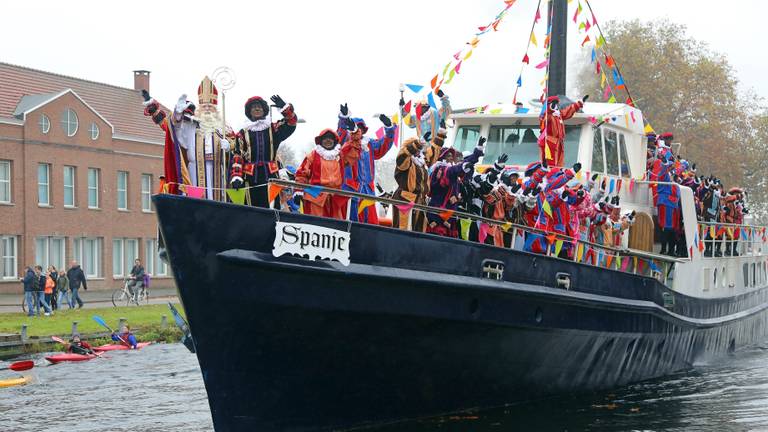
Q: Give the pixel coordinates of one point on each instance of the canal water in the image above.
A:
(160, 389)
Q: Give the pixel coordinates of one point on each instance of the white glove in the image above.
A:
(181, 104)
(224, 144)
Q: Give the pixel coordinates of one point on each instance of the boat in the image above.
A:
(69, 357)
(120, 347)
(306, 323)
(14, 382)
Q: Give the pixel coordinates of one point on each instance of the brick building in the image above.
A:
(78, 163)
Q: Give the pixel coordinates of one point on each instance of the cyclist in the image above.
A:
(136, 279)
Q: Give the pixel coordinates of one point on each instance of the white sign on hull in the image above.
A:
(311, 241)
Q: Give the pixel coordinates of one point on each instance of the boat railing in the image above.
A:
(516, 236)
(728, 240)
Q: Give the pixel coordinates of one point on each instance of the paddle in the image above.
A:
(100, 321)
(62, 341)
(20, 366)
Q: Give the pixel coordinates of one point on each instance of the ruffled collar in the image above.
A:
(328, 155)
(259, 125)
(418, 159)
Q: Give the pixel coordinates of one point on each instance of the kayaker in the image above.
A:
(125, 337)
(77, 346)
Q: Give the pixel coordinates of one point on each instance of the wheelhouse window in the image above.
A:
(43, 184)
(598, 162)
(5, 182)
(69, 122)
(623, 158)
(44, 123)
(611, 142)
(521, 144)
(466, 138)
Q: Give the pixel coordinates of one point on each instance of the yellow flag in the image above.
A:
(475, 41)
(496, 111)
(558, 247)
(396, 118)
(547, 152)
(712, 231)
(602, 79)
(363, 205)
(506, 226)
(236, 195)
(648, 129)
(533, 40)
(579, 252)
(469, 54)
(547, 209)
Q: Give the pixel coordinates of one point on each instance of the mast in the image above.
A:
(558, 21)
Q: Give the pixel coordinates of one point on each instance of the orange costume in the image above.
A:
(553, 131)
(323, 167)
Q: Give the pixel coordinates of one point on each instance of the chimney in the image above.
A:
(141, 80)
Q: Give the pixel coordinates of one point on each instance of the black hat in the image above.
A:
(255, 100)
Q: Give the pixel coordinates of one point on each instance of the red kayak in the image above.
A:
(119, 347)
(67, 357)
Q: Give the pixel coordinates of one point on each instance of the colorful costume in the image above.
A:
(258, 142)
(426, 118)
(666, 199)
(553, 130)
(360, 177)
(323, 167)
(412, 177)
(445, 189)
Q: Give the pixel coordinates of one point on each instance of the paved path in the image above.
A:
(92, 299)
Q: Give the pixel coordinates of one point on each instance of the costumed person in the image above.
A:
(666, 197)
(616, 224)
(554, 211)
(552, 130)
(257, 144)
(444, 187)
(360, 177)
(412, 176)
(200, 131)
(732, 215)
(425, 117)
(323, 167)
(710, 203)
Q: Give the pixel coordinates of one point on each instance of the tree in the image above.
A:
(682, 87)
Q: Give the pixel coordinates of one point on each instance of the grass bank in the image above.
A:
(145, 318)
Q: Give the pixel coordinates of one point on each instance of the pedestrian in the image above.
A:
(76, 278)
(49, 287)
(62, 286)
(41, 289)
(30, 296)
(54, 275)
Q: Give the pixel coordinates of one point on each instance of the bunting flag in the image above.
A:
(711, 231)
(597, 68)
(586, 39)
(194, 191)
(558, 247)
(446, 215)
(548, 155)
(520, 81)
(543, 64)
(273, 190)
(634, 263)
(506, 226)
(624, 264)
(469, 54)
(433, 83)
(496, 111)
(538, 16)
(314, 191)
(611, 186)
(458, 66)
(579, 252)
(608, 260)
(464, 228)
(404, 208)
(407, 107)
(612, 99)
(431, 101)
(526, 59)
(445, 69)
(414, 87)
(533, 40)
(652, 265)
(599, 258)
(237, 196)
(640, 266)
(594, 56)
(551, 239)
(364, 203)
(482, 232)
(606, 92)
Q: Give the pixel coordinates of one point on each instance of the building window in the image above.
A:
(69, 122)
(43, 184)
(45, 123)
(122, 190)
(88, 254)
(93, 188)
(69, 186)
(117, 258)
(8, 257)
(153, 265)
(94, 130)
(5, 181)
(146, 192)
(50, 251)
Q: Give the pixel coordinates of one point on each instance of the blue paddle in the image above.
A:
(100, 321)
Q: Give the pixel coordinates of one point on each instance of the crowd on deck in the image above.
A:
(555, 202)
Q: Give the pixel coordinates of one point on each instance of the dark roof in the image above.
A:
(119, 105)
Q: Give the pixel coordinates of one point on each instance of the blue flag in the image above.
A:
(520, 81)
(314, 191)
(415, 87)
(521, 110)
(593, 54)
(431, 101)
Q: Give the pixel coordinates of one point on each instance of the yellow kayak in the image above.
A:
(13, 382)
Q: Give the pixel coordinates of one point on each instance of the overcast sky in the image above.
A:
(318, 54)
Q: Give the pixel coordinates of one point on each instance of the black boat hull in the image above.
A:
(411, 329)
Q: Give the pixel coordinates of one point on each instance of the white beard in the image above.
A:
(210, 122)
(329, 155)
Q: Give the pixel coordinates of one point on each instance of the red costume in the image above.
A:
(553, 131)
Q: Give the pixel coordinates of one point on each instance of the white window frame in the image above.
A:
(44, 123)
(13, 256)
(146, 193)
(118, 268)
(94, 188)
(122, 193)
(68, 118)
(150, 252)
(94, 130)
(46, 185)
(130, 255)
(50, 244)
(81, 255)
(71, 187)
(5, 183)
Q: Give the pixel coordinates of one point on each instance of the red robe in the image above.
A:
(554, 134)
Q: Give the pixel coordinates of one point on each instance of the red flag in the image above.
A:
(407, 107)
(434, 81)
(482, 28)
(598, 68)
(586, 39)
(609, 61)
(526, 60)
(632, 104)
(538, 16)
(456, 56)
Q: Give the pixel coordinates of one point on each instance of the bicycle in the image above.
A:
(124, 295)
